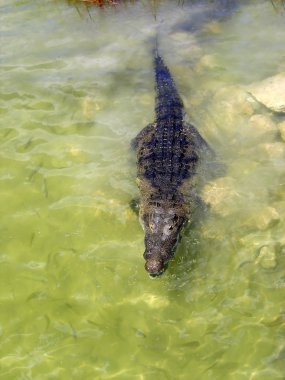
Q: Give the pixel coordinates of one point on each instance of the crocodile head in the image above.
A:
(162, 226)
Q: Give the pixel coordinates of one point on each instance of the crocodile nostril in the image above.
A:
(154, 266)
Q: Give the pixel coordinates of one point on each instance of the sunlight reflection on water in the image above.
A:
(75, 300)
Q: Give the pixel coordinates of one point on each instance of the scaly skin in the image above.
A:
(167, 160)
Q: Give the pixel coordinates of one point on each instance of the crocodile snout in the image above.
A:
(154, 266)
(156, 262)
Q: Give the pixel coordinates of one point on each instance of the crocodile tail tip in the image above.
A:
(154, 43)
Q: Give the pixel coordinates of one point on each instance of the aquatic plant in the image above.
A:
(277, 4)
(101, 3)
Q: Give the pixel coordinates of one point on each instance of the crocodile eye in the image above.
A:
(174, 223)
(151, 224)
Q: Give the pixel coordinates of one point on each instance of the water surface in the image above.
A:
(76, 303)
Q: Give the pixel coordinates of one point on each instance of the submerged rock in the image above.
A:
(221, 195)
(262, 219)
(183, 37)
(228, 109)
(263, 125)
(254, 240)
(266, 218)
(187, 45)
(270, 92)
(89, 107)
(273, 151)
(238, 98)
(209, 61)
(213, 27)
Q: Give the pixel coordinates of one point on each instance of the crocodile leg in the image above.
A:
(142, 135)
(209, 162)
(198, 140)
(135, 205)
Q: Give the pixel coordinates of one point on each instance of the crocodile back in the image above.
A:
(168, 104)
(167, 156)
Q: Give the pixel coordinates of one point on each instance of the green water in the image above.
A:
(75, 301)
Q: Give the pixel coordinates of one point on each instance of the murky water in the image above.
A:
(76, 302)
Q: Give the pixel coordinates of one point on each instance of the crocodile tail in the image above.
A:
(167, 97)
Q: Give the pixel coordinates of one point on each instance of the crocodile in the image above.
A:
(168, 153)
